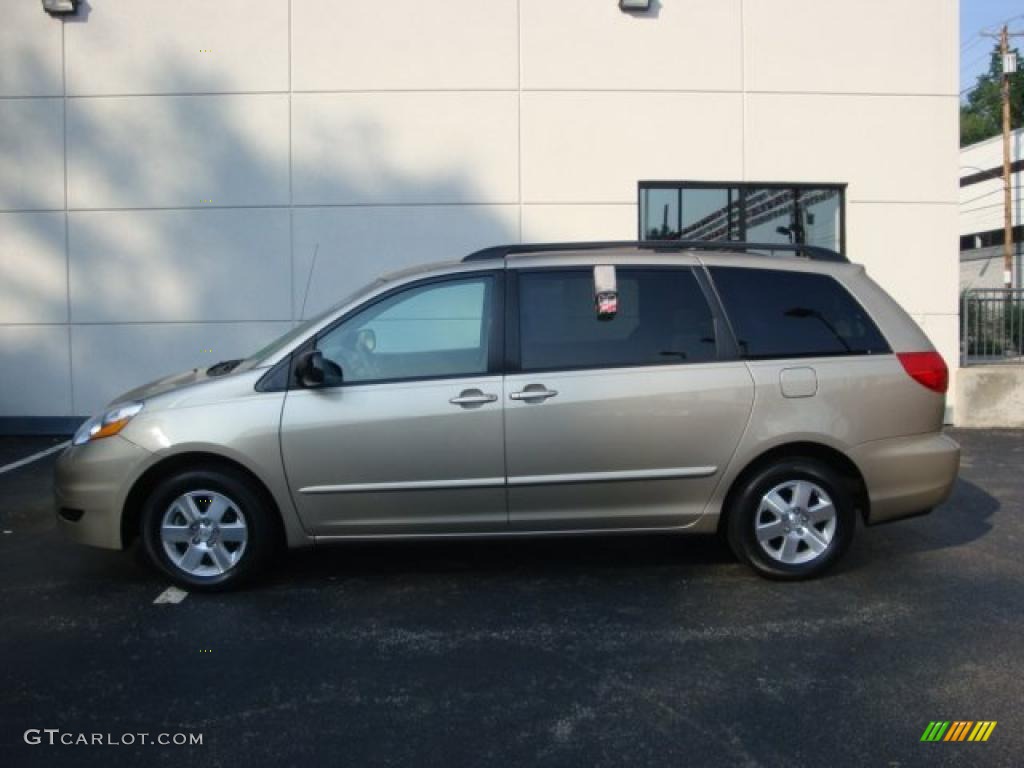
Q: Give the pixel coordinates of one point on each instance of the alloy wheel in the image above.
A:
(795, 522)
(204, 533)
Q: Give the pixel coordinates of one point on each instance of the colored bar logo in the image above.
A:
(958, 730)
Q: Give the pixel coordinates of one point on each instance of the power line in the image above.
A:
(972, 88)
(983, 34)
(979, 35)
(994, 30)
(987, 194)
(975, 87)
(971, 43)
(988, 207)
(999, 35)
(979, 59)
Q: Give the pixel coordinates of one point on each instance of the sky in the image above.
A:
(989, 15)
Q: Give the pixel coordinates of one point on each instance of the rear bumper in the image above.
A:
(907, 476)
(93, 480)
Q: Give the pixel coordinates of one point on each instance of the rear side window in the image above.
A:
(663, 319)
(794, 314)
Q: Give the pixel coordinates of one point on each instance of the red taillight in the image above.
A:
(927, 369)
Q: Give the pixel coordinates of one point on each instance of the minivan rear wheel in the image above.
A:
(792, 519)
(207, 529)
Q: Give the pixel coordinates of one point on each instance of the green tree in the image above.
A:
(981, 112)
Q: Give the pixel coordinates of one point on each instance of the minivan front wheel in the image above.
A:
(792, 519)
(207, 529)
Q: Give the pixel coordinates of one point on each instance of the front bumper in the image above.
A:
(907, 476)
(94, 479)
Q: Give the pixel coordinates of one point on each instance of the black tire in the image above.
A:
(745, 508)
(260, 520)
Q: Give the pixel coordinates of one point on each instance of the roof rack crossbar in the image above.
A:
(812, 252)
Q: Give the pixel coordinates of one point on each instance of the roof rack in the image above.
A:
(812, 252)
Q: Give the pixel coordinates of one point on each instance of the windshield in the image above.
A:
(302, 328)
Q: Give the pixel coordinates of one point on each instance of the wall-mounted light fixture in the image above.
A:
(60, 7)
(634, 6)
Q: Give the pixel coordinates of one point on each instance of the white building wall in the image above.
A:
(168, 169)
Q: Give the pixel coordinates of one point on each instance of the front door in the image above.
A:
(411, 440)
(620, 423)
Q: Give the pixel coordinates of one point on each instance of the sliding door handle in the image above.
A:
(538, 393)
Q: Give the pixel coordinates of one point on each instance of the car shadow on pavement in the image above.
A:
(556, 556)
(966, 517)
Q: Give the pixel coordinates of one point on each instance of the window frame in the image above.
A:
(725, 347)
(744, 188)
(495, 341)
(802, 355)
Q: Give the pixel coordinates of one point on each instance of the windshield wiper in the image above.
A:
(224, 366)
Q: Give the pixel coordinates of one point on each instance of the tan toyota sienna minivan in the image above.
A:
(771, 393)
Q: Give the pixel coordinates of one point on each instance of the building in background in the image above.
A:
(169, 170)
(981, 212)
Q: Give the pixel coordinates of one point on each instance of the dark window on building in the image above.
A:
(663, 319)
(990, 238)
(990, 174)
(794, 314)
(801, 214)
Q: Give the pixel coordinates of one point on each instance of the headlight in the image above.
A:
(107, 424)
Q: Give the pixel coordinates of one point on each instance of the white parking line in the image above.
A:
(33, 457)
(171, 595)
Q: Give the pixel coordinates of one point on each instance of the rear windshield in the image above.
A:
(777, 313)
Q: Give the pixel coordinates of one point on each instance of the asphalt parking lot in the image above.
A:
(603, 651)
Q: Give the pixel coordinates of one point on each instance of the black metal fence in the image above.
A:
(992, 326)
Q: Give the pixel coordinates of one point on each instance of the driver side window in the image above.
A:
(429, 331)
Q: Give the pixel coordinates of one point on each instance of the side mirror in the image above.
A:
(309, 368)
(366, 340)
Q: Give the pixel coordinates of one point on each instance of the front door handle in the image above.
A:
(471, 397)
(534, 392)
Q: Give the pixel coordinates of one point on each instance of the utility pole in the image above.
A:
(1004, 49)
(1009, 67)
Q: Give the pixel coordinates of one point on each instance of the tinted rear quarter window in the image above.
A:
(777, 313)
